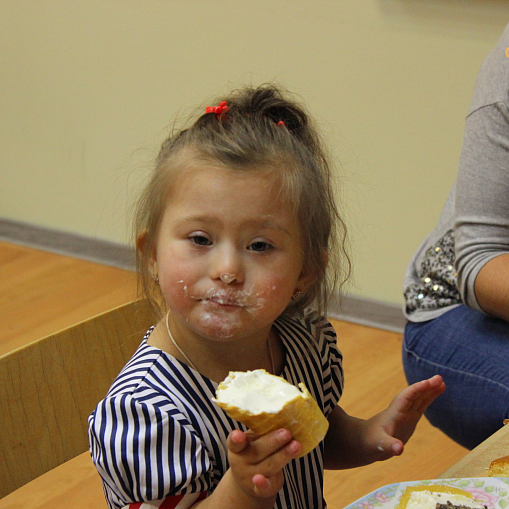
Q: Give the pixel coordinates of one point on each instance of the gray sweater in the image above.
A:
(474, 225)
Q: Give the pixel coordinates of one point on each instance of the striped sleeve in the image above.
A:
(172, 502)
(145, 451)
(313, 357)
(332, 367)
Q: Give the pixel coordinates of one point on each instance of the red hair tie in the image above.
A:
(218, 110)
(281, 123)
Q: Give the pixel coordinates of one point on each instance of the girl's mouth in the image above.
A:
(225, 301)
(226, 298)
(229, 299)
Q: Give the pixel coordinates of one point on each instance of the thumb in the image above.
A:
(390, 447)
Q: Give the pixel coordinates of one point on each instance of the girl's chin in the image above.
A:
(216, 322)
(220, 329)
(223, 326)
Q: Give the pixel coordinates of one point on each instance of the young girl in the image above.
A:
(234, 233)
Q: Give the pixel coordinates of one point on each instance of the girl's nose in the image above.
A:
(228, 267)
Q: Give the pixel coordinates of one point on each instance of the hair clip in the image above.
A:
(281, 123)
(218, 110)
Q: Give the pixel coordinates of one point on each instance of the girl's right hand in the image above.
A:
(257, 462)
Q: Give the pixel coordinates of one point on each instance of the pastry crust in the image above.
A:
(499, 467)
(301, 416)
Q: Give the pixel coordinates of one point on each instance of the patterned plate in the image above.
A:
(492, 491)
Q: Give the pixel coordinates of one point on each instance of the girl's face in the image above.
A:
(229, 255)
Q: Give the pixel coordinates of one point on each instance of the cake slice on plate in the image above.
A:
(437, 497)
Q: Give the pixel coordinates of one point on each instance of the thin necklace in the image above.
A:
(270, 355)
(190, 362)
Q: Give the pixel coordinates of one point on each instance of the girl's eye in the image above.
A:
(200, 240)
(259, 246)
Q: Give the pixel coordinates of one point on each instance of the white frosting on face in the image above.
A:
(227, 277)
(257, 391)
(428, 500)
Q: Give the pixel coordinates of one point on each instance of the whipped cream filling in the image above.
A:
(429, 500)
(256, 391)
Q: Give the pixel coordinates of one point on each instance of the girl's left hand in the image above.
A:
(353, 442)
(388, 431)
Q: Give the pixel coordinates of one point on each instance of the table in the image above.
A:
(477, 461)
(76, 483)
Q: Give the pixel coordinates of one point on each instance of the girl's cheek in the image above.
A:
(174, 289)
(274, 290)
(180, 288)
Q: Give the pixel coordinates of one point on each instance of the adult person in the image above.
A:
(456, 286)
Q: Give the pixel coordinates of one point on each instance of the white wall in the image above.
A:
(88, 88)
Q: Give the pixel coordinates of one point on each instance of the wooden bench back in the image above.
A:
(49, 387)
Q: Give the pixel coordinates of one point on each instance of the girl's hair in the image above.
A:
(261, 129)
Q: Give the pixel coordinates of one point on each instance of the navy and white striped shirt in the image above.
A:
(157, 434)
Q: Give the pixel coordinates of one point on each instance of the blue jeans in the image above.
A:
(471, 352)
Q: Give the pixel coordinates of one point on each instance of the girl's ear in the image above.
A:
(141, 241)
(325, 255)
(306, 278)
(142, 247)
(309, 275)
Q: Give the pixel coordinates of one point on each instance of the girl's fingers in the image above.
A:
(275, 462)
(417, 397)
(277, 442)
(397, 448)
(426, 397)
(269, 444)
(237, 441)
(269, 478)
(258, 448)
(260, 483)
(259, 460)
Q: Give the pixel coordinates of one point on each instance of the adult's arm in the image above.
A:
(482, 212)
(492, 287)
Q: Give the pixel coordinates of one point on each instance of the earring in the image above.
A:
(155, 277)
(297, 295)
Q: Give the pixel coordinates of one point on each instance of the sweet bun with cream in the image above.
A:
(265, 403)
